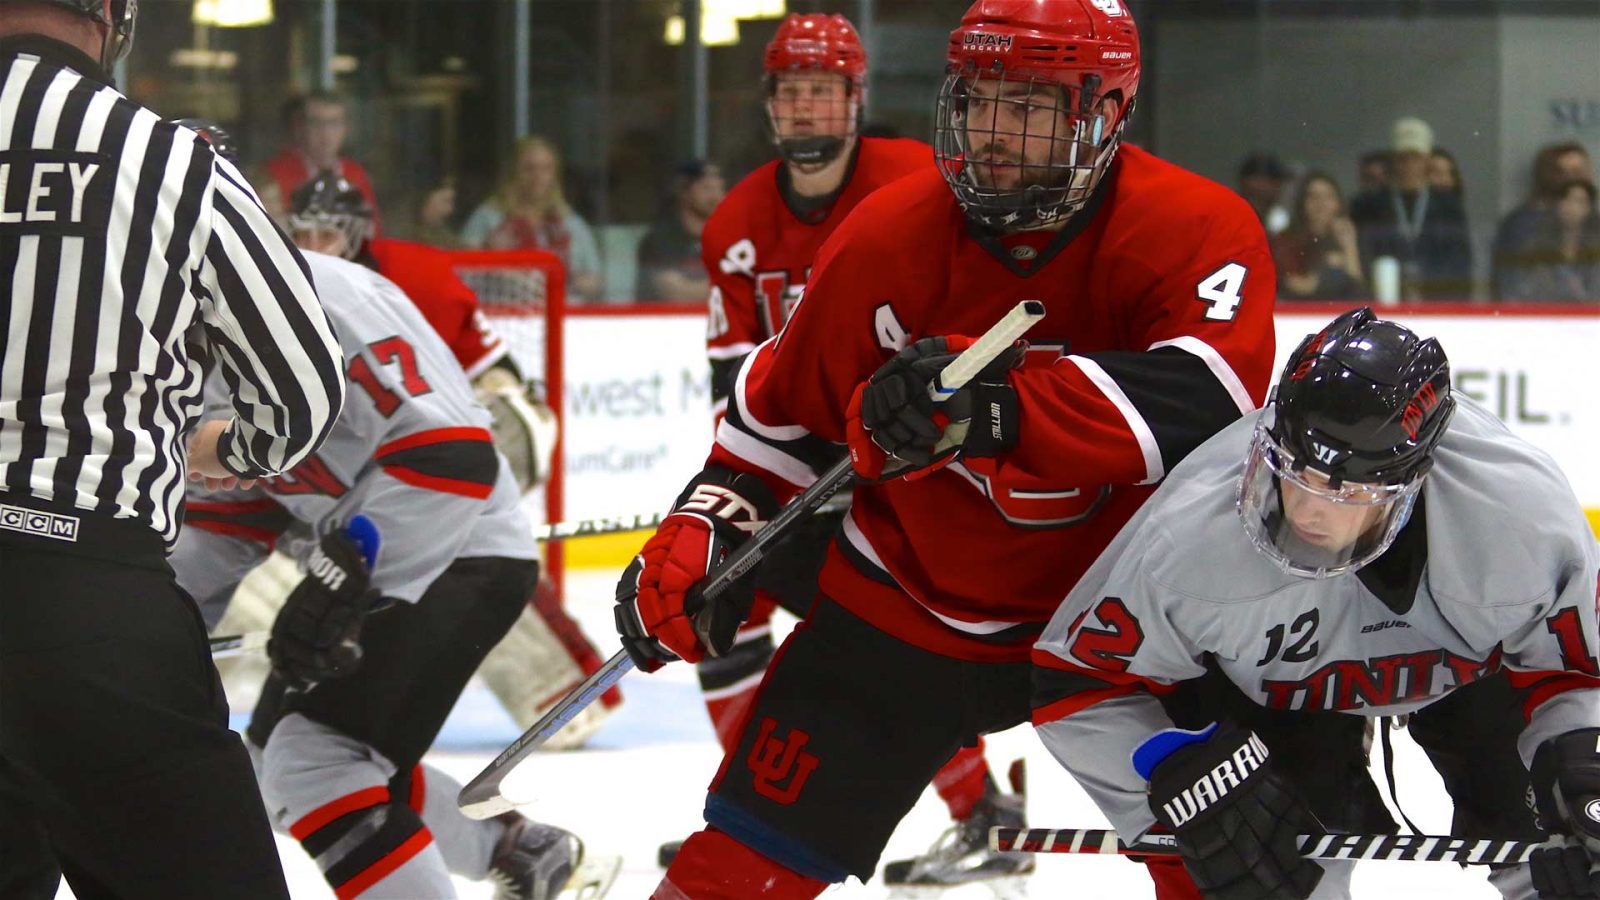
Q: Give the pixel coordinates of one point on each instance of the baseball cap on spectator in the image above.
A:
(1266, 164)
(1411, 135)
(692, 170)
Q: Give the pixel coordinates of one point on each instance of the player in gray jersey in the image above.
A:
(1398, 544)
(355, 699)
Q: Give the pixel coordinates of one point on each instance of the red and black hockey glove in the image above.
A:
(656, 600)
(1234, 820)
(317, 634)
(1566, 789)
(894, 428)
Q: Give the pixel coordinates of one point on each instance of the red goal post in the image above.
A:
(523, 293)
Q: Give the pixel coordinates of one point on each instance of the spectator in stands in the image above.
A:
(670, 268)
(1316, 256)
(316, 126)
(1444, 173)
(1261, 180)
(1561, 263)
(529, 211)
(1425, 230)
(1372, 171)
(1553, 167)
(435, 212)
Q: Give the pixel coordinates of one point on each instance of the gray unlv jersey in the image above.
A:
(411, 451)
(1509, 582)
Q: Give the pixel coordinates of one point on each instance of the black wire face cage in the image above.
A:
(817, 137)
(355, 229)
(1022, 152)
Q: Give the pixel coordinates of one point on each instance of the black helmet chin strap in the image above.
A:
(816, 150)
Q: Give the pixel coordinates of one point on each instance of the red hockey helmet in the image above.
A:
(817, 44)
(827, 43)
(1036, 144)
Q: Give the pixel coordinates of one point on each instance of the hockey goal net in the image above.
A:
(523, 293)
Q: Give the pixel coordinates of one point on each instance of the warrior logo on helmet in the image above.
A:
(1340, 452)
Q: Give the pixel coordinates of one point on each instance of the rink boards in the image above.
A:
(637, 416)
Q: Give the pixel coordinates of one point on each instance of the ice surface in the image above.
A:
(641, 781)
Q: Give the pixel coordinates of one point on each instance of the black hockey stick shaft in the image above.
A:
(481, 798)
(225, 646)
(1411, 847)
(580, 528)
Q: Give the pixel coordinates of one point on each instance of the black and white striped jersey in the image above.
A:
(120, 232)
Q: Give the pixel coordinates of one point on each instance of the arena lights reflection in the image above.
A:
(232, 13)
(719, 20)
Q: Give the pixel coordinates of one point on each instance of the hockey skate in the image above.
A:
(961, 855)
(543, 862)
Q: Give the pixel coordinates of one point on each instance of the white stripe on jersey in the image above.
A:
(1218, 366)
(1153, 466)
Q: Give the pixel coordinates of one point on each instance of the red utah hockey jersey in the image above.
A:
(1158, 333)
(758, 250)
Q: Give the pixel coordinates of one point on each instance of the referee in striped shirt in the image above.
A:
(118, 233)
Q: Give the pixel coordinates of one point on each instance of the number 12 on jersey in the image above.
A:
(1221, 291)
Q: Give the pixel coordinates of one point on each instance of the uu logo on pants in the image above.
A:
(773, 761)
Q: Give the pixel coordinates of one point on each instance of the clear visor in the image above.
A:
(1306, 526)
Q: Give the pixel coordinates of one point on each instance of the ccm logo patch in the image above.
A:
(30, 521)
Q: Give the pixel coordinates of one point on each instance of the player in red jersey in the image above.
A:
(1158, 287)
(758, 248)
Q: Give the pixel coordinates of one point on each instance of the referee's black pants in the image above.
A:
(115, 753)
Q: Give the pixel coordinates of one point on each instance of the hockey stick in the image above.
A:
(256, 641)
(238, 644)
(481, 798)
(1413, 847)
(580, 528)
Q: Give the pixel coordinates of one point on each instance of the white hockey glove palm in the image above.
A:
(525, 429)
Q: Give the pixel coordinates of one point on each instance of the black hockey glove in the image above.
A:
(1566, 787)
(317, 633)
(1234, 820)
(895, 428)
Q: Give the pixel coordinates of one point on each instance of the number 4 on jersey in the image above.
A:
(1221, 290)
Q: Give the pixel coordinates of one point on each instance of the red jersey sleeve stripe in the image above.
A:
(433, 436)
(1065, 707)
(233, 507)
(379, 870)
(309, 823)
(472, 489)
(1543, 686)
(1049, 660)
(263, 536)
